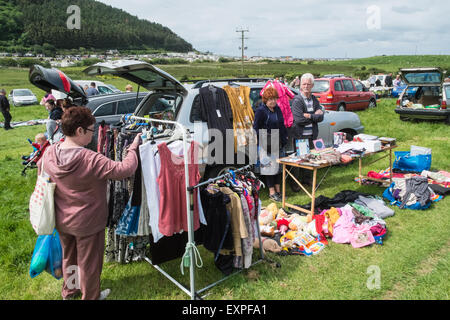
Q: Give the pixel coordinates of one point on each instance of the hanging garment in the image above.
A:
(284, 95)
(239, 231)
(151, 167)
(216, 111)
(172, 186)
(243, 116)
(218, 233)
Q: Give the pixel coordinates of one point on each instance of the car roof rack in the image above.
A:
(334, 75)
(199, 83)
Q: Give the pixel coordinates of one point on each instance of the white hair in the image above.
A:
(307, 76)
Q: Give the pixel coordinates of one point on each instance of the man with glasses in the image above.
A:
(307, 114)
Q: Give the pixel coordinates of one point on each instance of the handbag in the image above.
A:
(42, 205)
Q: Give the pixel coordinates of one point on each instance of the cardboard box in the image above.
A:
(373, 145)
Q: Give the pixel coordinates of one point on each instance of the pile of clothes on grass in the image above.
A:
(418, 192)
(349, 217)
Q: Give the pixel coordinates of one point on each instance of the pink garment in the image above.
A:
(362, 236)
(284, 95)
(81, 177)
(101, 140)
(445, 173)
(172, 187)
(343, 228)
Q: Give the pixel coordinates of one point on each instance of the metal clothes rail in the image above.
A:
(192, 292)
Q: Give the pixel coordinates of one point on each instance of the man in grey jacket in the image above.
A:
(307, 114)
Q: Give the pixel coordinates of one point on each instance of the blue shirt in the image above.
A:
(91, 91)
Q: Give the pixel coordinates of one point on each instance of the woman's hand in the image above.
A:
(137, 139)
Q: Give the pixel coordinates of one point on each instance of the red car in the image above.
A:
(340, 93)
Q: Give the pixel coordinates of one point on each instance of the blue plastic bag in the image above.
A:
(47, 255)
(40, 255)
(54, 264)
(406, 162)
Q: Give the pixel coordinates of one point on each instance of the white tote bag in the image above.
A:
(42, 205)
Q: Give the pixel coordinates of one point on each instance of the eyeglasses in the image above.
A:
(91, 130)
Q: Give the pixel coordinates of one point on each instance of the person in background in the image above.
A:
(398, 81)
(92, 90)
(85, 88)
(47, 97)
(388, 80)
(307, 114)
(81, 212)
(5, 108)
(54, 132)
(295, 83)
(129, 88)
(268, 116)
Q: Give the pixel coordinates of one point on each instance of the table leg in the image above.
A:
(390, 166)
(313, 193)
(360, 170)
(283, 203)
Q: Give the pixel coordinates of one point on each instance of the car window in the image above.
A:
(157, 105)
(127, 106)
(320, 86)
(22, 93)
(338, 85)
(358, 85)
(196, 113)
(106, 109)
(447, 91)
(423, 77)
(104, 90)
(348, 86)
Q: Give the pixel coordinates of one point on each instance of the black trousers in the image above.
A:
(271, 181)
(8, 118)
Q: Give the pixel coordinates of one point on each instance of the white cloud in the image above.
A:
(301, 28)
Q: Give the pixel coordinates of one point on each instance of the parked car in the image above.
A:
(22, 97)
(343, 94)
(102, 88)
(185, 106)
(106, 108)
(429, 101)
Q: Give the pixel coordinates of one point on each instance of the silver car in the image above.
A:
(22, 97)
(169, 99)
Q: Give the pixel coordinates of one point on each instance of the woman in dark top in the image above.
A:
(268, 116)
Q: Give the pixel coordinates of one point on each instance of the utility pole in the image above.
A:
(242, 48)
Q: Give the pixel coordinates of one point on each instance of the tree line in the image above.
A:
(26, 23)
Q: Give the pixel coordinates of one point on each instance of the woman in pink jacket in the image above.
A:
(81, 178)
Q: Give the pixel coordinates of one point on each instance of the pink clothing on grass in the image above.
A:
(284, 95)
(81, 177)
(172, 187)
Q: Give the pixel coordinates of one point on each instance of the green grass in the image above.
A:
(414, 259)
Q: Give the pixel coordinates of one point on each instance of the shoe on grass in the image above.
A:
(104, 294)
(275, 197)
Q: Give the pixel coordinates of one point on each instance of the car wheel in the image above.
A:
(372, 104)
(341, 107)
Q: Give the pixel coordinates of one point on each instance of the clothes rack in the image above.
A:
(190, 247)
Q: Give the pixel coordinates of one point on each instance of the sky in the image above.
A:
(303, 28)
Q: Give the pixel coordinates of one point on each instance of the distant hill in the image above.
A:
(39, 22)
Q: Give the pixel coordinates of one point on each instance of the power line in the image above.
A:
(242, 48)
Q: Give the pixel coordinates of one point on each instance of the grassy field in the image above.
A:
(414, 259)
